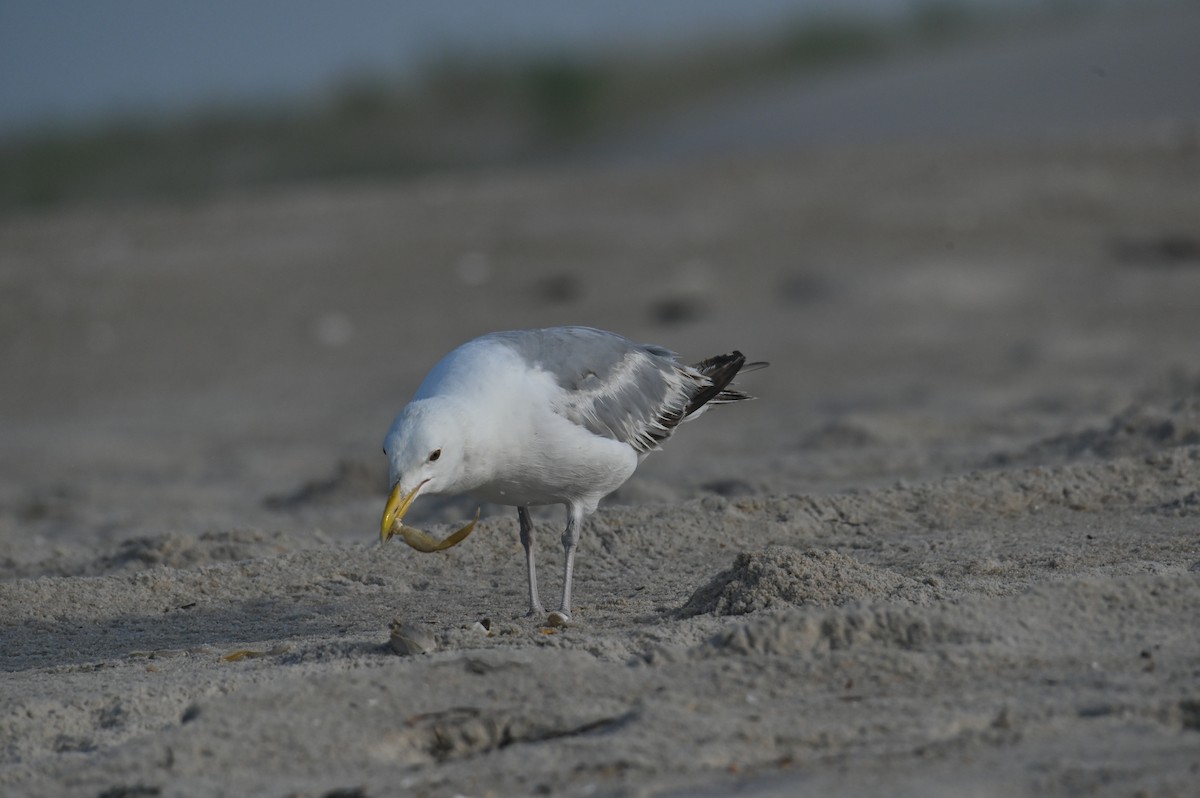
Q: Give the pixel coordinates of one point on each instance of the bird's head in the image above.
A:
(426, 453)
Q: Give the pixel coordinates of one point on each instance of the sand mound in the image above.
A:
(1168, 418)
(779, 576)
(184, 551)
(350, 480)
(797, 633)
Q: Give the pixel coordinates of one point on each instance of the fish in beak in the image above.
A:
(393, 516)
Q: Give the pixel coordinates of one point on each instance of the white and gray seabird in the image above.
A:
(534, 417)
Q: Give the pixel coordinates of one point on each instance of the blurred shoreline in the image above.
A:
(825, 79)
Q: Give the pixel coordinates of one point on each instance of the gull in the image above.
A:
(524, 418)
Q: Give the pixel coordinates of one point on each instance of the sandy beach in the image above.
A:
(953, 548)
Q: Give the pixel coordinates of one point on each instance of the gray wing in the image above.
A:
(613, 387)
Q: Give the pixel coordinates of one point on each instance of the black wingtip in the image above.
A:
(721, 370)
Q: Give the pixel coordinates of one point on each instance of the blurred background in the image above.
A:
(134, 98)
(234, 236)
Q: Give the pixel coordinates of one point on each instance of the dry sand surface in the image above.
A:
(953, 548)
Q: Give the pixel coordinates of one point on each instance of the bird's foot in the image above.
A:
(536, 611)
(558, 618)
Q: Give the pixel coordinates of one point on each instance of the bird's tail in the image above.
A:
(720, 371)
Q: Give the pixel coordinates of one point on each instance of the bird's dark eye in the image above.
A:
(434, 455)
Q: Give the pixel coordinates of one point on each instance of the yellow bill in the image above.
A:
(392, 524)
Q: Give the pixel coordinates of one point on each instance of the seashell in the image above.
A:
(408, 638)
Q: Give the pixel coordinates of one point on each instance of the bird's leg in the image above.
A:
(570, 540)
(535, 606)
